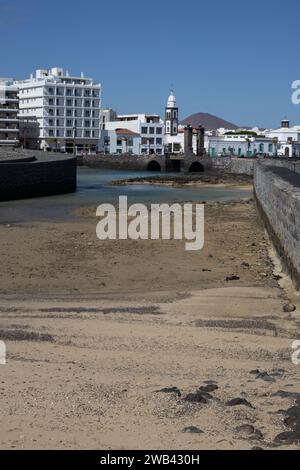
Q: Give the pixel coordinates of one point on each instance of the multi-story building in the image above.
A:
(9, 109)
(139, 134)
(59, 112)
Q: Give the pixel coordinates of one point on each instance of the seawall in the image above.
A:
(25, 175)
(277, 192)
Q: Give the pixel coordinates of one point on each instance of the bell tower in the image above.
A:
(171, 116)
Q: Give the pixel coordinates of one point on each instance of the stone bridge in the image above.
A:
(162, 163)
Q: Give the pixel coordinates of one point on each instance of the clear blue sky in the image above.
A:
(230, 58)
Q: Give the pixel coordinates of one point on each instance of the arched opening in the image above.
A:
(196, 167)
(153, 166)
(287, 152)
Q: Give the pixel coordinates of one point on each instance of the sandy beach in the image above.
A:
(124, 344)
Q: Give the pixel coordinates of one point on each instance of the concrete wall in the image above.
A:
(21, 179)
(278, 200)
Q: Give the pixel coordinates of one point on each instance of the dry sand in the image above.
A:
(94, 330)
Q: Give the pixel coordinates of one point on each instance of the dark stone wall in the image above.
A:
(121, 162)
(38, 178)
(277, 192)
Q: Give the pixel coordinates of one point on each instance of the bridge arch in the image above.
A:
(196, 167)
(153, 165)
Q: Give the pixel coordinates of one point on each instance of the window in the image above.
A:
(57, 112)
(119, 142)
(69, 122)
(87, 113)
(87, 133)
(130, 142)
(144, 141)
(151, 130)
(261, 147)
(57, 133)
(270, 147)
(69, 92)
(144, 130)
(158, 130)
(158, 151)
(50, 91)
(69, 102)
(151, 141)
(87, 103)
(158, 141)
(87, 123)
(50, 122)
(51, 133)
(51, 101)
(69, 133)
(69, 112)
(51, 112)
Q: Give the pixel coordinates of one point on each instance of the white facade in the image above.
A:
(288, 139)
(240, 146)
(59, 111)
(9, 109)
(148, 130)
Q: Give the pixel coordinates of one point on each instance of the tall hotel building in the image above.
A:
(9, 109)
(59, 112)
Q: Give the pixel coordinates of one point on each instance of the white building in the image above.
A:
(59, 112)
(287, 138)
(9, 109)
(133, 133)
(240, 145)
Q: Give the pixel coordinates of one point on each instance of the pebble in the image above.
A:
(289, 308)
(239, 401)
(193, 430)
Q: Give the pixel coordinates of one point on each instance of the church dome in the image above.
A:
(171, 101)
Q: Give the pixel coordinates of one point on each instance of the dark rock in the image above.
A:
(232, 278)
(245, 265)
(289, 308)
(196, 397)
(247, 430)
(266, 377)
(257, 448)
(208, 388)
(170, 390)
(255, 371)
(193, 430)
(286, 394)
(288, 437)
(205, 270)
(239, 401)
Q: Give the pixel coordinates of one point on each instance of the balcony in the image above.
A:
(8, 110)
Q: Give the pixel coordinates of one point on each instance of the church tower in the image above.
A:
(171, 117)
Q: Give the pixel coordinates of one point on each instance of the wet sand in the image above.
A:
(109, 342)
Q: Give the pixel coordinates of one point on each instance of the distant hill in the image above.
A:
(208, 121)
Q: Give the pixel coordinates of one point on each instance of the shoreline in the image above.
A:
(129, 331)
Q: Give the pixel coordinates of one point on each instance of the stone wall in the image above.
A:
(121, 162)
(234, 165)
(40, 177)
(277, 192)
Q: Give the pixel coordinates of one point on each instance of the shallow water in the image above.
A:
(94, 188)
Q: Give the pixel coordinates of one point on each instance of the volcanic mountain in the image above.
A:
(208, 121)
